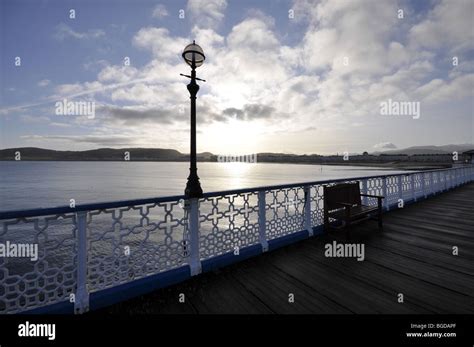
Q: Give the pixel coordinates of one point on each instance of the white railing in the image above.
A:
(91, 248)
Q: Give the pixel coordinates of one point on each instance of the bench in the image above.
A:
(342, 202)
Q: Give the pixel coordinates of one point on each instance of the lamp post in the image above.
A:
(193, 55)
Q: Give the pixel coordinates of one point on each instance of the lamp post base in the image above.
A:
(193, 187)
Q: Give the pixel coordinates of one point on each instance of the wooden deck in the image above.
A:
(412, 256)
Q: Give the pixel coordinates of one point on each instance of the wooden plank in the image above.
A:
(462, 229)
(439, 276)
(423, 243)
(447, 260)
(451, 217)
(272, 286)
(358, 296)
(417, 292)
(427, 234)
(434, 227)
(224, 294)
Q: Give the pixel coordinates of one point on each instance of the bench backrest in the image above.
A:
(348, 193)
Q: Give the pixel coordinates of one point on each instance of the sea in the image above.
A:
(40, 184)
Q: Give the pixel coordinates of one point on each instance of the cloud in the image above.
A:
(34, 119)
(160, 42)
(44, 83)
(254, 34)
(209, 39)
(117, 74)
(251, 112)
(438, 90)
(385, 145)
(447, 25)
(60, 125)
(352, 37)
(139, 116)
(206, 13)
(64, 31)
(160, 11)
(97, 140)
(233, 112)
(95, 64)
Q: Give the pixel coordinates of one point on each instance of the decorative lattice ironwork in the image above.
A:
(133, 242)
(228, 222)
(99, 247)
(317, 205)
(26, 282)
(284, 211)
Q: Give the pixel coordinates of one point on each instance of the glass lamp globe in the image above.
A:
(193, 55)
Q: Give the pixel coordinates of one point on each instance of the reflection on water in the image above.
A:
(26, 185)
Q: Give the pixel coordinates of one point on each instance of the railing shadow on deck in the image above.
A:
(95, 255)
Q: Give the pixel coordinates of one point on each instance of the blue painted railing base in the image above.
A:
(231, 258)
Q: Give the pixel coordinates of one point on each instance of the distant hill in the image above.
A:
(427, 156)
(102, 154)
(446, 149)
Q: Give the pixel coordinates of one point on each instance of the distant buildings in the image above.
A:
(469, 156)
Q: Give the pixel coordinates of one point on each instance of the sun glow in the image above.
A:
(235, 137)
(236, 174)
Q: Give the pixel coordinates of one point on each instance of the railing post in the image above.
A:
(81, 297)
(423, 186)
(307, 210)
(413, 190)
(364, 191)
(438, 185)
(262, 220)
(431, 184)
(384, 193)
(193, 225)
(445, 180)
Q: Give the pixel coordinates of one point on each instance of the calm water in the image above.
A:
(26, 184)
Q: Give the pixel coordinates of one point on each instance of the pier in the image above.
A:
(256, 250)
(412, 256)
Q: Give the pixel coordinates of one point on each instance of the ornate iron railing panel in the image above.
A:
(90, 248)
(284, 211)
(26, 282)
(133, 242)
(228, 223)
(317, 204)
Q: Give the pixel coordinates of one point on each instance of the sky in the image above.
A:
(298, 77)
